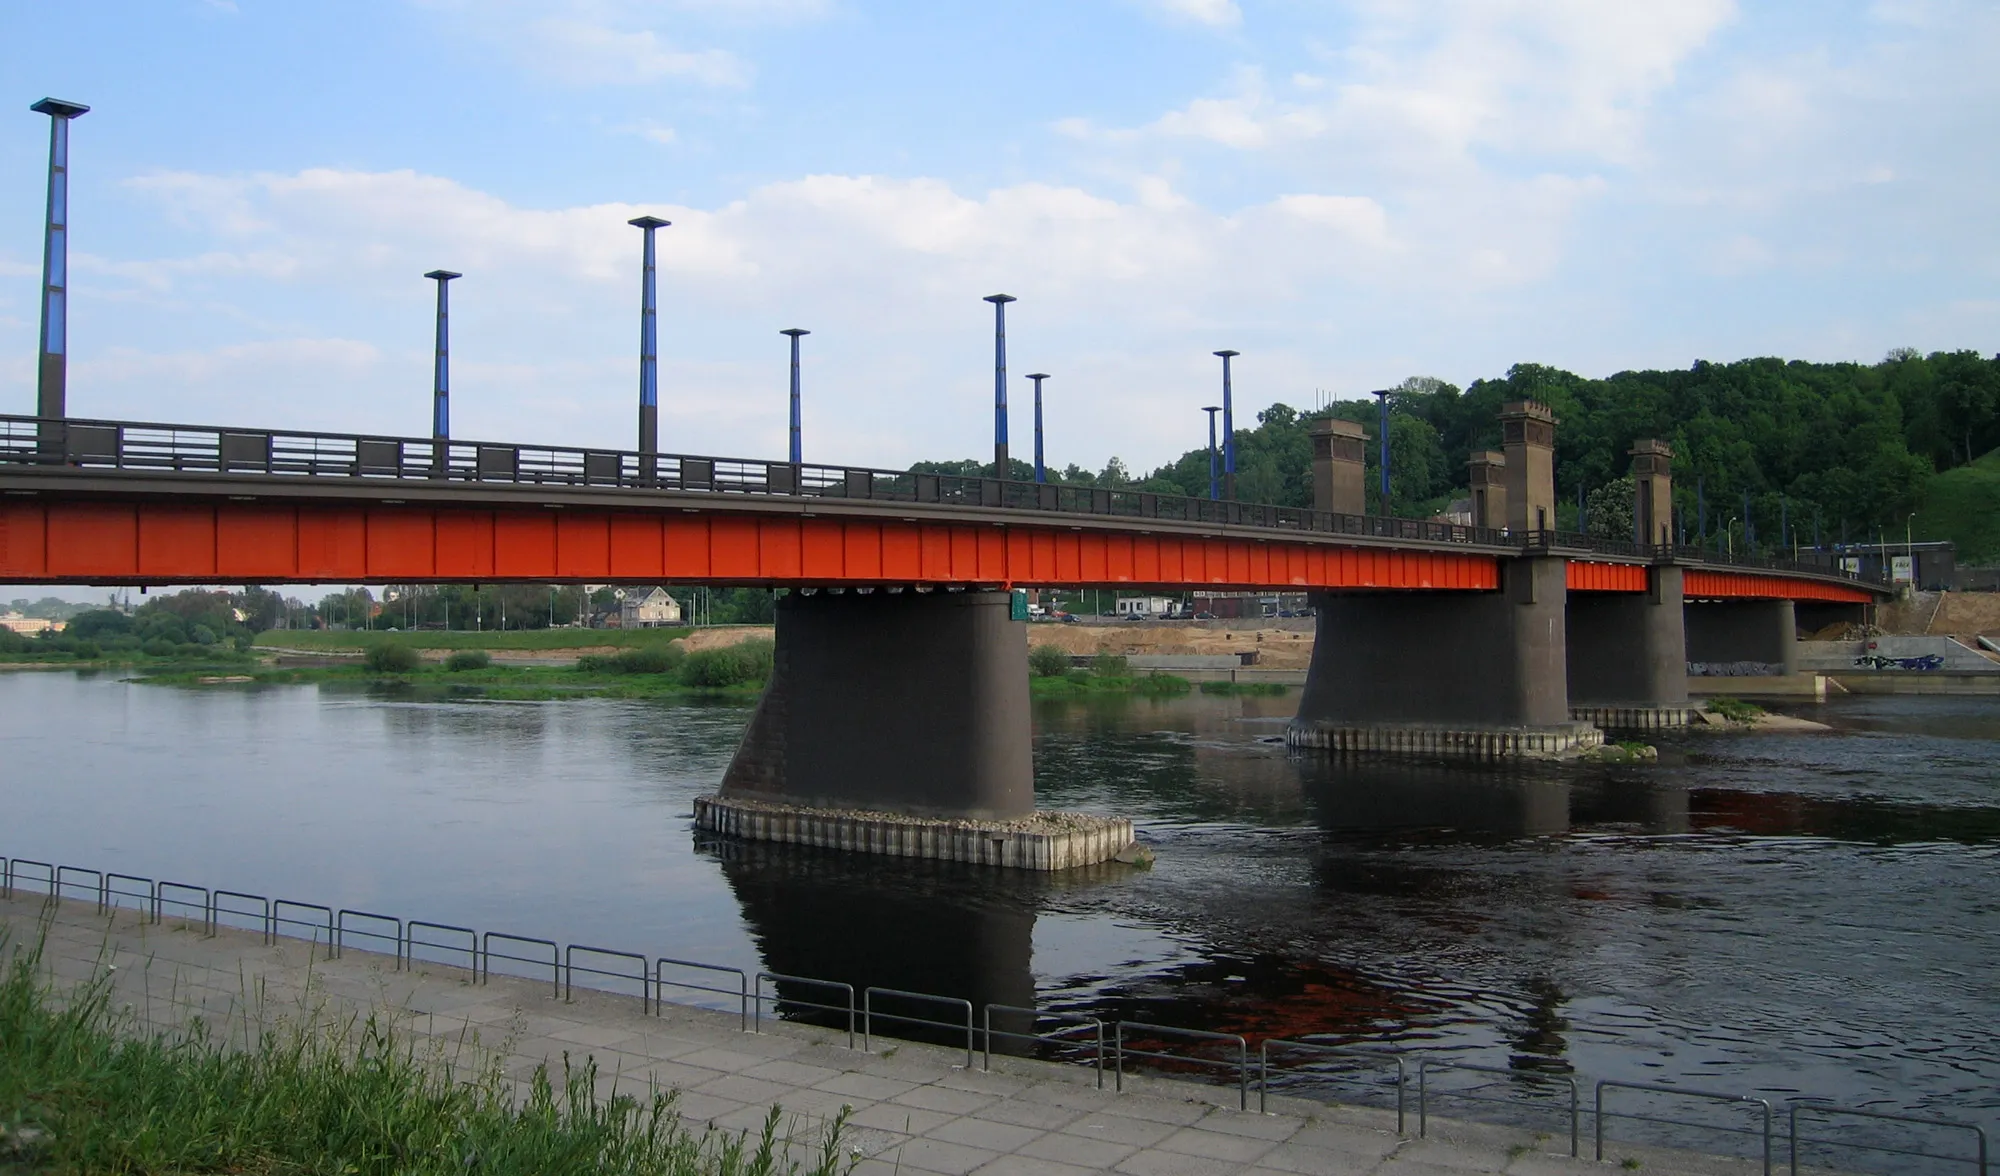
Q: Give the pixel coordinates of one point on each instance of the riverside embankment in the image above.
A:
(903, 1106)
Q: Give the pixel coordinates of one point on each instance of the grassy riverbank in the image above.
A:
(657, 671)
(82, 1089)
(345, 641)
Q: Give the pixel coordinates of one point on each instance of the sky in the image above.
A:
(1348, 192)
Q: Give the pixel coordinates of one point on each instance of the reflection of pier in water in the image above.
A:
(939, 928)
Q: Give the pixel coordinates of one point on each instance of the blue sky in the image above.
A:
(1349, 193)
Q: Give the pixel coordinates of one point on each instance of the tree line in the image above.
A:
(1782, 452)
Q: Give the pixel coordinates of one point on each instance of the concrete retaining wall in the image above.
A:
(1896, 654)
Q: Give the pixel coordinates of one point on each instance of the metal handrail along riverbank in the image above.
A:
(270, 922)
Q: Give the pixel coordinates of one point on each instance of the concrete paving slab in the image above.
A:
(1026, 1114)
(935, 1155)
(1215, 1145)
(866, 1086)
(938, 1098)
(1024, 1165)
(974, 1132)
(1096, 1154)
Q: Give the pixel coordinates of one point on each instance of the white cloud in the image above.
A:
(591, 54)
(1221, 14)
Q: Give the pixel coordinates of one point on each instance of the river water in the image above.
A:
(1781, 914)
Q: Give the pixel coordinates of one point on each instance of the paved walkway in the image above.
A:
(915, 1109)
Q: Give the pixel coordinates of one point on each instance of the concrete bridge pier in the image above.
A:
(898, 723)
(1742, 637)
(1445, 673)
(1627, 656)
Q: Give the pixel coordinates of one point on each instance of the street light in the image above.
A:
(795, 332)
(50, 400)
(441, 375)
(1000, 301)
(649, 351)
(1041, 474)
(1382, 442)
(1214, 490)
(1228, 429)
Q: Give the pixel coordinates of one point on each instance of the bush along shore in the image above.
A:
(1052, 676)
(649, 671)
(84, 1088)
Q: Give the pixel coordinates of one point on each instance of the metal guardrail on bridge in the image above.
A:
(147, 447)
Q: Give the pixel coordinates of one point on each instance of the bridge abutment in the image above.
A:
(1627, 655)
(1482, 675)
(898, 723)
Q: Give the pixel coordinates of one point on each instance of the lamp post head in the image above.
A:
(999, 299)
(795, 332)
(1038, 377)
(649, 223)
(443, 275)
(57, 108)
(1384, 393)
(1227, 354)
(1211, 408)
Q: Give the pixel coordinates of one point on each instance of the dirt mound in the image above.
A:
(722, 636)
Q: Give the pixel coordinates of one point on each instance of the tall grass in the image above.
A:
(82, 1089)
(337, 640)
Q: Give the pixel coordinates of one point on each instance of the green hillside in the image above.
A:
(1963, 505)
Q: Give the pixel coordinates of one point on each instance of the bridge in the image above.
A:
(901, 682)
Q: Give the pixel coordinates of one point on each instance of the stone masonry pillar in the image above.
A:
(1480, 674)
(911, 703)
(1339, 458)
(1653, 493)
(1627, 651)
(1528, 434)
(1487, 475)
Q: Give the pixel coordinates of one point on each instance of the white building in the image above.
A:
(1146, 606)
(647, 608)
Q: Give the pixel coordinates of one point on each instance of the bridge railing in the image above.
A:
(147, 447)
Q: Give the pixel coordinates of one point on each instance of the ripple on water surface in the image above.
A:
(1778, 913)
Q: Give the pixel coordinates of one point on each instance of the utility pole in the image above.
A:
(51, 395)
(794, 333)
(1001, 469)
(649, 355)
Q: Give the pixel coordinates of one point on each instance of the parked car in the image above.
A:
(1204, 616)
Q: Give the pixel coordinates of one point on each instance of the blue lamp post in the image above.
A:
(51, 401)
(1382, 429)
(1228, 429)
(795, 332)
(1041, 472)
(649, 348)
(1214, 486)
(1000, 467)
(441, 374)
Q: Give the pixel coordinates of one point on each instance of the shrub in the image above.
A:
(733, 665)
(390, 657)
(202, 635)
(468, 659)
(154, 647)
(1047, 661)
(647, 659)
(1735, 709)
(1161, 685)
(12, 642)
(85, 651)
(1110, 665)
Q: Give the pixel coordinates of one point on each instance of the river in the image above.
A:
(1772, 913)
